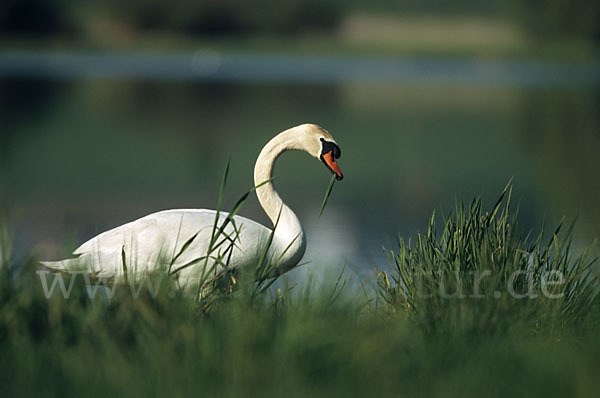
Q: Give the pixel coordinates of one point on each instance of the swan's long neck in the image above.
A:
(289, 241)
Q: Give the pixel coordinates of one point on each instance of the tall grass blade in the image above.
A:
(327, 193)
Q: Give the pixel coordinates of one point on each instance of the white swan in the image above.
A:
(180, 238)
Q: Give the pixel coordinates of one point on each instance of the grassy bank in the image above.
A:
(417, 337)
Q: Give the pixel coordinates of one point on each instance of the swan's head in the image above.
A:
(321, 145)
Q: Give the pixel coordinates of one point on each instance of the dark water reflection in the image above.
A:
(78, 156)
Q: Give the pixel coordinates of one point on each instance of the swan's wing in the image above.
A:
(240, 243)
(103, 254)
(159, 239)
(153, 230)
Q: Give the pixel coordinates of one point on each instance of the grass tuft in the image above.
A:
(480, 274)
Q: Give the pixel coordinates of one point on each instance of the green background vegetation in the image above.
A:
(548, 28)
(226, 17)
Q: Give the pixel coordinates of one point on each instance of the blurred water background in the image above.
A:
(113, 110)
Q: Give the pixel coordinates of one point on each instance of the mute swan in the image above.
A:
(181, 237)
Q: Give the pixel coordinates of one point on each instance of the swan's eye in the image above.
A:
(337, 152)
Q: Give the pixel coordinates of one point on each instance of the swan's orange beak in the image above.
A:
(331, 163)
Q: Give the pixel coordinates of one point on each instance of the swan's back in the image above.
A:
(157, 242)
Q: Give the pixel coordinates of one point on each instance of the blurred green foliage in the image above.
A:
(207, 17)
(226, 17)
(558, 18)
(540, 18)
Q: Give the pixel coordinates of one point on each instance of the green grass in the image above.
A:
(303, 341)
(482, 275)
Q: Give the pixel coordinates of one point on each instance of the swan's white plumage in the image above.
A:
(157, 239)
